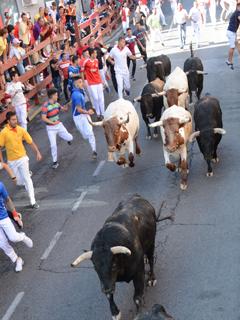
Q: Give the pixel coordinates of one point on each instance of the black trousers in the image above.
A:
(65, 88)
(134, 64)
(143, 53)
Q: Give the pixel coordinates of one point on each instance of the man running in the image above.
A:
(120, 53)
(50, 115)
(15, 90)
(131, 43)
(142, 38)
(94, 80)
(12, 137)
(80, 114)
(8, 231)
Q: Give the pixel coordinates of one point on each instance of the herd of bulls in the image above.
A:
(127, 237)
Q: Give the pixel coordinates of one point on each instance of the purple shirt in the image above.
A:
(36, 30)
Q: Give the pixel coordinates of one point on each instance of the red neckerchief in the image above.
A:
(13, 129)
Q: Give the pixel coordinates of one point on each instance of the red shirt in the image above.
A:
(80, 50)
(63, 66)
(91, 71)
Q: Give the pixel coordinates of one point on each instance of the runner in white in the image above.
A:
(15, 90)
(120, 53)
(196, 20)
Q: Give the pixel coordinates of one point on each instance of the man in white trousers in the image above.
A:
(50, 115)
(120, 53)
(8, 231)
(81, 114)
(125, 14)
(12, 137)
(94, 80)
(196, 18)
(15, 90)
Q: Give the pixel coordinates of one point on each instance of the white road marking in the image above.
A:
(51, 245)
(99, 167)
(79, 201)
(13, 306)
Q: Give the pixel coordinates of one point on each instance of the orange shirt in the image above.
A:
(91, 71)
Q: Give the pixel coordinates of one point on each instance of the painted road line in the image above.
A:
(51, 245)
(99, 167)
(79, 201)
(13, 306)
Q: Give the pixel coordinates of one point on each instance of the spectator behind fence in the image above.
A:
(15, 52)
(37, 28)
(3, 44)
(24, 33)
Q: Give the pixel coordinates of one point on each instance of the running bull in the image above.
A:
(158, 312)
(158, 67)
(118, 249)
(151, 104)
(209, 129)
(121, 127)
(193, 68)
(176, 127)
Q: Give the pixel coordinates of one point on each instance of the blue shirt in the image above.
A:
(234, 21)
(78, 99)
(3, 198)
(74, 70)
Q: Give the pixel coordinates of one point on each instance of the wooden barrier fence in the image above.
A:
(98, 25)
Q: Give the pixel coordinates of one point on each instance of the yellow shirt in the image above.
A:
(3, 45)
(12, 139)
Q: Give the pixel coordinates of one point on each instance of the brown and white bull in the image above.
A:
(175, 90)
(176, 127)
(121, 127)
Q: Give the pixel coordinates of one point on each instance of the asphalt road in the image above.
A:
(197, 255)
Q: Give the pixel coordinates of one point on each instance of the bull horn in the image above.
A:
(193, 136)
(137, 99)
(201, 72)
(125, 121)
(121, 249)
(95, 124)
(158, 94)
(219, 130)
(85, 256)
(157, 62)
(156, 124)
(187, 73)
(184, 120)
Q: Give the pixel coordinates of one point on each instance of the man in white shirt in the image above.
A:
(181, 18)
(53, 12)
(15, 90)
(125, 13)
(15, 52)
(120, 53)
(196, 19)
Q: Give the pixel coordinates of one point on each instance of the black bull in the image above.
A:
(209, 129)
(118, 249)
(158, 67)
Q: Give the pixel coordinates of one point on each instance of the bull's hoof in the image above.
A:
(155, 135)
(209, 174)
(171, 167)
(146, 260)
(183, 186)
(121, 161)
(152, 283)
(148, 137)
(215, 160)
(117, 317)
(131, 164)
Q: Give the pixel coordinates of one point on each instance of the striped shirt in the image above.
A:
(52, 112)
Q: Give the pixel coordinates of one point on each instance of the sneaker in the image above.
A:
(69, 143)
(133, 78)
(19, 264)
(55, 165)
(35, 206)
(94, 155)
(28, 242)
(230, 64)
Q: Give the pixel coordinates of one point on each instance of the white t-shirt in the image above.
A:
(15, 90)
(195, 15)
(181, 16)
(120, 58)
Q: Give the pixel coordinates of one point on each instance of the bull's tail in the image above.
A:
(191, 49)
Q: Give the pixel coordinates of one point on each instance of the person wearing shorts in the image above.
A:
(232, 34)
